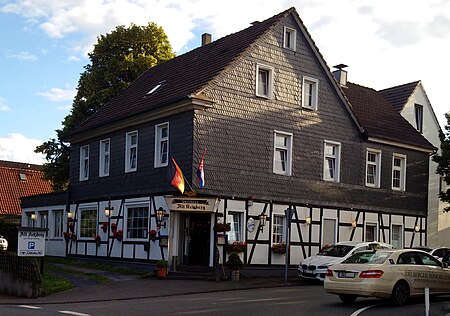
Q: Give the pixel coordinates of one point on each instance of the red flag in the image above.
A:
(201, 172)
(176, 177)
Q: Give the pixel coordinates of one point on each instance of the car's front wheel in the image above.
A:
(347, 298)
(400, 293)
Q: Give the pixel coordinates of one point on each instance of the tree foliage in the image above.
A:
(118, 59)
(443, 161)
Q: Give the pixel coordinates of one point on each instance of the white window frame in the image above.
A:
(306, 94)
(371, 224)
(144, 228)
(43, 220)
(129, 150)
(400, 233)
(58, 223)
(105, 158)
(84, 163)
(160, 141)
(240, 225)
(289, 38)
(337, 161)
(335, 230)
(287, 148)
(418, 115)
(281, 234)
(270, 74)
(401, 169)
(88, 226)
(377, 164)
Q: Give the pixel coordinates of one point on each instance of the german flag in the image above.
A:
(175, 176)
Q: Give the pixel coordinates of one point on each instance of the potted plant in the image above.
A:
(162, 268)
(237, 246)
(279, 248)
(222, 227)
(118, 234)
(98, 240)
(235, 264)
(152, 234)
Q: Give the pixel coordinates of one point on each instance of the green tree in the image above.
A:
(443, 161)
(118, 59)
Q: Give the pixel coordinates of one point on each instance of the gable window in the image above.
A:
(58, 227)
(137, 222)
(131, 151)
(104, 158)
(310, 93)
(84, 163)
(331, 161)
(290, 36)
(418, 112)
(397, 236)
(88, 223)
(161, 145)
(373, 168)
(235, 220)
(264, 81)
(398, 172)
(278, 229)
(282, 158)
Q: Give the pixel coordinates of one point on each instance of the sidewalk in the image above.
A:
(135, 287)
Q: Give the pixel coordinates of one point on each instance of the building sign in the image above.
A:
(182, 204)
(31, 242)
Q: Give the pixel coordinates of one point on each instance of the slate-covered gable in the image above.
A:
(380, 120)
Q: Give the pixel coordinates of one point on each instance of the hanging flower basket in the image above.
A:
(118, 234)
(73, 237)
(152, 234)
(66, 236)
(237, 246)
(98, 240)
(113, 227)
(222, 227)
(104, 226)
(279, 248)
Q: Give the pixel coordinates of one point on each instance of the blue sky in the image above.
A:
(44, 46)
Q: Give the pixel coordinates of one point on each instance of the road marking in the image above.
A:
(359, 311)
(29, 306)
(73, 313)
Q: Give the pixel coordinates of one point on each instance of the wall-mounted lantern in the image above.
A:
(109, 209)
(416, 229)
(308, 220)
(262, 221)
(160, 218)
(354, 223)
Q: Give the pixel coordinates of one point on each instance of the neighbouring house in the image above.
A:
(16, 181)
(282, 137)
(412, 102)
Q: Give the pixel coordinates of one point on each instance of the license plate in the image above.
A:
(345, 274)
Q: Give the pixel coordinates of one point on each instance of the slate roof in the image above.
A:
(180, 77)
(379, 118)
(398, 96)
(18, 180)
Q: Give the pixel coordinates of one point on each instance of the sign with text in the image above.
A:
(182, 204)
(31, 242)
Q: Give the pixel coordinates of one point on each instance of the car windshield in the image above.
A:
(380, 257)
(336, 251)
(360, 257)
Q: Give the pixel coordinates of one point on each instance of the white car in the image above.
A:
(315, 267)
(3, 244)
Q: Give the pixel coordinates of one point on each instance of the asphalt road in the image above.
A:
(293, 300)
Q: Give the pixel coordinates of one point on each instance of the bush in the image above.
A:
(162, 264)
(234, 262)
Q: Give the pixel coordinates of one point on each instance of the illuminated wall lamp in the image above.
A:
(354, 223)
(70, 215)
(262, 221)
(33, 216)
(308, 220)
(416, 228)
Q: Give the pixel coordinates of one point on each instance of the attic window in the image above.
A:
(152, 90)
(23, 176)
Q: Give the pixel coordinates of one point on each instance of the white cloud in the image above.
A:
(3, 105)
(58, 94)
(23, 56)
(16, 147)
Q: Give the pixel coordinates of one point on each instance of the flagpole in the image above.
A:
(185, 180)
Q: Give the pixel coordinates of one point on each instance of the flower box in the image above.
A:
(279, 248)
(222, 227)
(237, 246)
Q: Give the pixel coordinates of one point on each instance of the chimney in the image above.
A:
(206, 39)
(340, 74)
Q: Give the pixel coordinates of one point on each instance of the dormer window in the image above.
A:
(289, 39)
